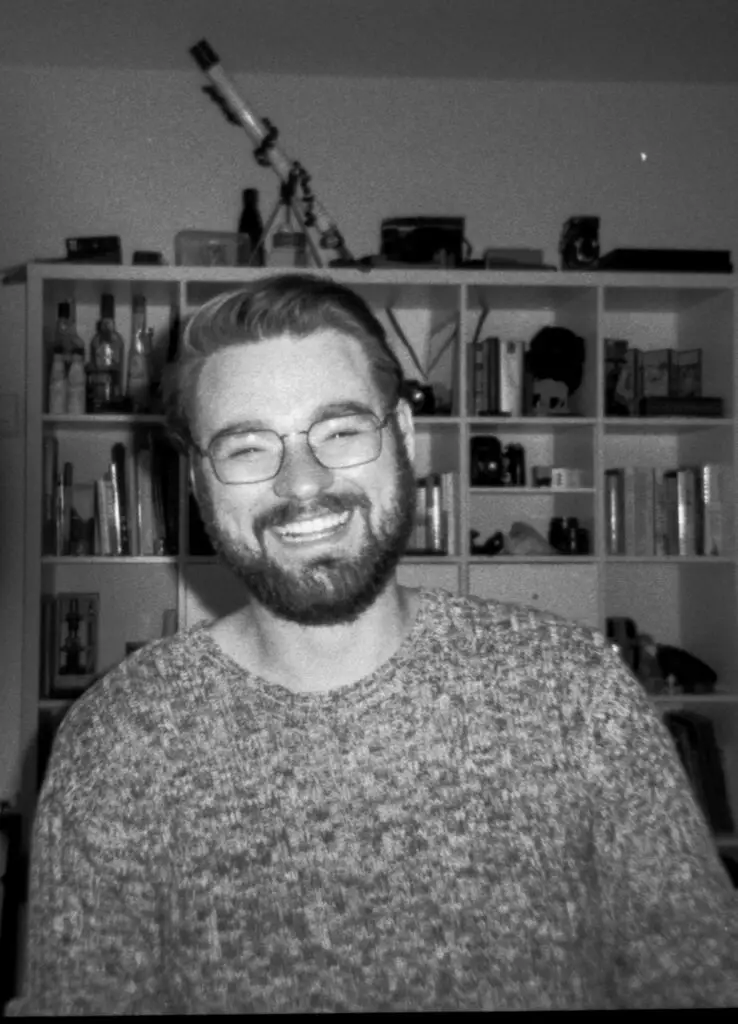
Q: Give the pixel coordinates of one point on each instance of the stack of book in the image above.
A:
(694, 737)
(497, 378)
(655, 511)
(135, 502)
(435, 515)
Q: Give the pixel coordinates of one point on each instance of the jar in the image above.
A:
(289, 249)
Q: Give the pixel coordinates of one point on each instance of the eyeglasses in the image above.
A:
(252, 456)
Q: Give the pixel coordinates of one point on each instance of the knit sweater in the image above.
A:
(494, 819)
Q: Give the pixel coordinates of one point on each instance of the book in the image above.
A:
(615, 354)
(118, 478)
(448, 492)
(660, 512)
(50, 472)
(145, 499)
(492, 390)
(672, 512)
(629, 510)
(512, 356)
(134, 542)
(689, 533)
(711, 500)
(112, 509)
(704, 406)
(644, 512)
(434, 514)
(480, 377)
(614, 539)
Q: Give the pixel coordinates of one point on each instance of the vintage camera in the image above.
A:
(487, 462)
(579, 244)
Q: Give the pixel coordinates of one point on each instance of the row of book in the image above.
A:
(658, 511)
(499, 383)
(642, 382)
(135, 505)
(435, 530)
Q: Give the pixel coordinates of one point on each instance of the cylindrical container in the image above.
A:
(289, 249)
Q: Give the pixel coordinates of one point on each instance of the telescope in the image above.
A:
(268, 154)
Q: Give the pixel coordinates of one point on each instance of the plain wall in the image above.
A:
(146, 154)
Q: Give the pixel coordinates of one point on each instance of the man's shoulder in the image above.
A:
(498, 625)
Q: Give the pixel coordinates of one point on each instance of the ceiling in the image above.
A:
(565, 40)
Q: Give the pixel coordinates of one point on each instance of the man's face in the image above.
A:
(285, 384)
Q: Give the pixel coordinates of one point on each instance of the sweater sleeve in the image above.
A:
(92, 943)
(670, 910)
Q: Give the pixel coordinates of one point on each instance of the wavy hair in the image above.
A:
(292, 303)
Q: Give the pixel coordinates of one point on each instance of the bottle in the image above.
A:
(139, 371)
(251, 224)
(106, 360)
(67, 342)
(58, 386)
(76, 387)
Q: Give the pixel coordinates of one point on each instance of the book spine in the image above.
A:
(660, 513)
(50, 470)
(672, 513)
(134, 544)
(480, 397)
(511, 378)
(448, 491)
(144, 500)
(118, 475)
(711, 492)
(629, 511)
(686, 512)
(112, 511)
(157, 498)
(614, 511)
(434, 518)
(102, 531)
(644, 512)
(492, 360)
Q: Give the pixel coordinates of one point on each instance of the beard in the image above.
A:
(329, 589)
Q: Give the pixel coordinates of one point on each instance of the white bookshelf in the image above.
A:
(687, 602)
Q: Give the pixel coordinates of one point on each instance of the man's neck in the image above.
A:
(305, 658)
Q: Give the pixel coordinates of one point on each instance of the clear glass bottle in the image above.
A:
(58, 386)
(106, 361)
(67, 342)
(76, 387)
(139, 368)
(251, 224)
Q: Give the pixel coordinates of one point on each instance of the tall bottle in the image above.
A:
(251, 224)
(139, 369)
(106, 361)
(67, 343)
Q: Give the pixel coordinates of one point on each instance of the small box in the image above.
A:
(211, 249)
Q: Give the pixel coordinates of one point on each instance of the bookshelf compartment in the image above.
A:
(688, 605)
(492, 509)
(132, 600)
(568, 590)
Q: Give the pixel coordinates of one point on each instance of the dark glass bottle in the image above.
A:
(106, 361)
(251, 224)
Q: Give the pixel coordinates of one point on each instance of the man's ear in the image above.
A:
(407, 426)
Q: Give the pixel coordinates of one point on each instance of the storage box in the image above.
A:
(211, 249)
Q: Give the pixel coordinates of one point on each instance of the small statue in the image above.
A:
(555, 361)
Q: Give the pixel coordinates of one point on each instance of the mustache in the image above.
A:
(327, 504)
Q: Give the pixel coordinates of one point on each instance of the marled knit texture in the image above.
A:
(495, 819)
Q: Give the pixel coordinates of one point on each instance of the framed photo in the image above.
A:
(76, 644)
(656, 373)
(687, 373)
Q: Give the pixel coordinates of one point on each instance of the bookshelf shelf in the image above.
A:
(665, 424)
(667, 597)
(109, 560)
(536, 491)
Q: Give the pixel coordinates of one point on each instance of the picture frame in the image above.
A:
(687, 373)
(656, 373)
(76, 618)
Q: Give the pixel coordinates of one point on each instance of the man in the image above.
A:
(352, 795)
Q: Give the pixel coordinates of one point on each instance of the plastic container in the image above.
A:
(210, 248)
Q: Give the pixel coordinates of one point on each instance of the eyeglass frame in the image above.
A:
(206, 453)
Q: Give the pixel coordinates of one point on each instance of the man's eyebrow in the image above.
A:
(323, 412)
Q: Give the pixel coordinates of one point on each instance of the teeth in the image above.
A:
(320, 524)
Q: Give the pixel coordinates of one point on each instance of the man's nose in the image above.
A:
(301, 475)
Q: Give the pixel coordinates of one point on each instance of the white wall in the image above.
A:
(146, 154)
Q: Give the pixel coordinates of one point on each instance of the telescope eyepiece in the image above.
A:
(204, 54)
